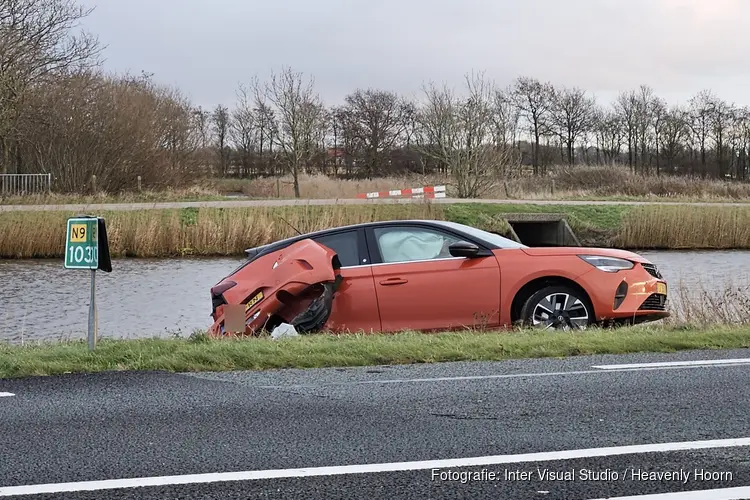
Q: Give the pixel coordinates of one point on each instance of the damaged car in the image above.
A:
(431, 275)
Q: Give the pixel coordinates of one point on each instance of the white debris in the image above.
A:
(284, 330)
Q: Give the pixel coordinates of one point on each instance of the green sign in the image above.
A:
(81, 244)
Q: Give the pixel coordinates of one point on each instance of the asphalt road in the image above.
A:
(83, 208)
(387, 432)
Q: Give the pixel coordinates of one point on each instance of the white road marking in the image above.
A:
(737, 493)
(598, 370)
(109, 484)
(6, 394)
(699, 362)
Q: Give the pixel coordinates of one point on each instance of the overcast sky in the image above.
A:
(604, 46)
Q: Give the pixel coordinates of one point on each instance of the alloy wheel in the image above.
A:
(560, 311)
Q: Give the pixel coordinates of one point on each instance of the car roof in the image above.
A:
(331, 230)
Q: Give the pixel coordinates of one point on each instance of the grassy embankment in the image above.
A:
(199, 353)
(213, 232)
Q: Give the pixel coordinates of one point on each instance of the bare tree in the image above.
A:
(572, 114)
(721, 120)
(627, 107)
(298, 121)
(658, 112)
(700, 123)
(505, 118)
(643, 122)
(459, 133)
(220, 124)
(377, 119)
(674, 131)
(37, 44)
(534, 101)
(243, 129)
(608, 131)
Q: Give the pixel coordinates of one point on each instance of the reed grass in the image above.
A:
(192, 231)
(228, 231)
(684, 227)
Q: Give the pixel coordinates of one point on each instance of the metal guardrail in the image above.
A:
(24, 184)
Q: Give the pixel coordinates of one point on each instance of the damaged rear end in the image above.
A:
(295, 285)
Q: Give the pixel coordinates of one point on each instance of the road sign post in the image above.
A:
(86, 247)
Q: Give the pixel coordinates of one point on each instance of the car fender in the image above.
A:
(509, 294)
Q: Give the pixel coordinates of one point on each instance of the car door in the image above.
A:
(420, 286)
(355, 305)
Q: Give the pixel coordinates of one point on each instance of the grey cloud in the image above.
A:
(605, 46)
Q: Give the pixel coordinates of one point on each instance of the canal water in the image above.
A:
(40, 300)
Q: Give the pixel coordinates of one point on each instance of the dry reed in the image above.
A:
(205, 231)
(685, 227)
(703, 307)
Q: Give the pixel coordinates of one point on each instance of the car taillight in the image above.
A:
(221, 288)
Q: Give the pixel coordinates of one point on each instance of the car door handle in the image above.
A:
(393, 281)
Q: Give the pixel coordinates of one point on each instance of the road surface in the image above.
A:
(83, 208)
(590, 427)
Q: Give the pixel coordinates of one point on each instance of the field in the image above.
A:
(563, 183)
(228, 231)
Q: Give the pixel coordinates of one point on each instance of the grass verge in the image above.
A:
(200, 353)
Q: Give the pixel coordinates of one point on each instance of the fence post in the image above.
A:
(553, 187)
(49, 183)
(139, 183)
(93, 184)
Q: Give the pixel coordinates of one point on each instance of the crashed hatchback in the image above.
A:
(431, 275)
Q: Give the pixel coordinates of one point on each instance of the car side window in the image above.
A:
(346, 245)
(404, 244)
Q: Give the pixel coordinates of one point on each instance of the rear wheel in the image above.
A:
(559, 308)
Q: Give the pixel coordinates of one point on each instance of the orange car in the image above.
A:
(432, 275)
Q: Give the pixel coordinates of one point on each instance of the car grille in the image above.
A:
(654, 302)
(652, 270)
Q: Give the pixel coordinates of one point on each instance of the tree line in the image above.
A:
(60, 113)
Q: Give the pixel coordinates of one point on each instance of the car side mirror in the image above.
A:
(466, 249)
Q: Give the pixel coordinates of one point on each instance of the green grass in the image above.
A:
(200, 353)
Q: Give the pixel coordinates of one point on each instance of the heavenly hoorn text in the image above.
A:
(629, 474)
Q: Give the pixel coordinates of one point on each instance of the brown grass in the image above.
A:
(194, 193)
(581, 182)
(607, 182)
(561, 183)
(206, 231)
(683, 227)
(703, 307)
(318, 186)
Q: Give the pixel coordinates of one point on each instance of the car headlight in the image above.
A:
(607, 264)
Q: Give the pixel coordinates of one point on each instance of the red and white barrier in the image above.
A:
(423, 192)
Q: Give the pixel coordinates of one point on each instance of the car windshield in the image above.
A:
(496, 239)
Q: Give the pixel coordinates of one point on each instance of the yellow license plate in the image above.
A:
(661, 288)
(254, 300)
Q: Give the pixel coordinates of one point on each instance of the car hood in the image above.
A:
(604, 252)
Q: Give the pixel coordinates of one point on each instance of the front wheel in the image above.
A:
(559, 308)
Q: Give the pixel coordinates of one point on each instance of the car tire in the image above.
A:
(573, 309)
(317, 313)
